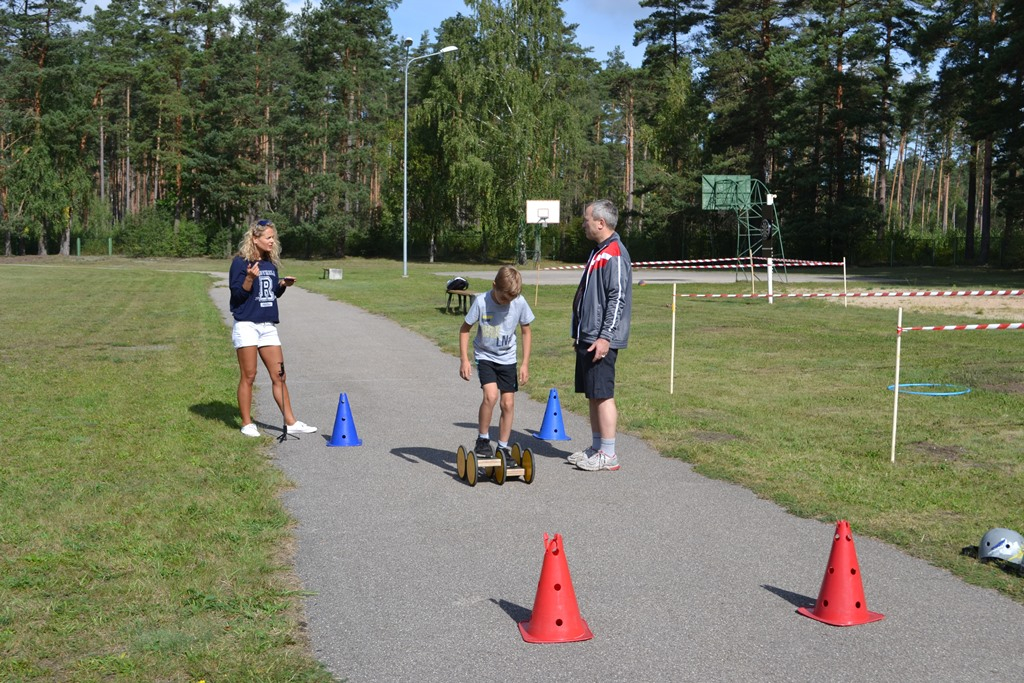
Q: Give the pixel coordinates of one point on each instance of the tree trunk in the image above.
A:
(3, 221)
(945, 204)
(1010, 220)
(102, 159)
(896, 193)
(881, 188)
(127, 180)
(840, 162)
(914, 185)
(630, 182)
(65, 237)
(972, 200)
(926, 197)
(986, 204)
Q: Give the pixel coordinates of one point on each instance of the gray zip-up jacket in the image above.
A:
(604, 299)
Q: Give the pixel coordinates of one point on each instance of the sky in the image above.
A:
(603, 24)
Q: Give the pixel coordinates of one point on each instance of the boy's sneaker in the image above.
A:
(599, 461)
(580, 456)
(483, 448)
(251, 429)
(300, 427)
(506, 453)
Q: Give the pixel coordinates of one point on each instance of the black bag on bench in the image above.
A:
(458, 283)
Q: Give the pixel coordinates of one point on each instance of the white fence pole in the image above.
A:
(846, 299)
(896, 385)
(672, 369)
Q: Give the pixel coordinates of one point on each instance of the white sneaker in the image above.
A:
(251, 429)
(300, 428)
(580, 456)
(599, 461)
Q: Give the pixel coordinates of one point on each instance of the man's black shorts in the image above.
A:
(595, 380)
(505, 376)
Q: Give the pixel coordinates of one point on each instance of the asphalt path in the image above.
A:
(415, 576)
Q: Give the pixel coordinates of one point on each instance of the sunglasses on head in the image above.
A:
(263, 223)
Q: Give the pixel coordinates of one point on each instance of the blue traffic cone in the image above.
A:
(344, 433)
(552, 428)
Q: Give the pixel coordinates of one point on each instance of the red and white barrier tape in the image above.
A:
(987, 292)
(731, 266)
(981, 326)
(797, 262)
(731, 259)
(721, 264)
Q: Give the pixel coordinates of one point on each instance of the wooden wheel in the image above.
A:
(471, 470)
(460, 462)
(499, 471)
(528, 466)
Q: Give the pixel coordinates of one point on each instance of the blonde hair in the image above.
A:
(508, 283)
(248, 250)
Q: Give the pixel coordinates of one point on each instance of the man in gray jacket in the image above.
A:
(600, 327)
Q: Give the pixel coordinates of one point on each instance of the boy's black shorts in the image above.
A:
(505, 376)
(595, 380)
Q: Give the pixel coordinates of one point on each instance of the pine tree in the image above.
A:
(41, 170)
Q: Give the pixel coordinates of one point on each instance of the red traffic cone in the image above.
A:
(841, 599)
(556, 616)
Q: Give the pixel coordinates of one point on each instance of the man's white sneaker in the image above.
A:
(300, 428)
(599, 461)
(251, 429)
(579, 456)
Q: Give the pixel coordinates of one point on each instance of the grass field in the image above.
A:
(139, 540)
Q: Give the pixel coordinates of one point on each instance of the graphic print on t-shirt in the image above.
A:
(265, 288)
(493, 332)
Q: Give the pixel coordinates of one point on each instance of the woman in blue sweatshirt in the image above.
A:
(255, 289)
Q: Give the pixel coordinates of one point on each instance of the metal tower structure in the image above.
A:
(757, 231)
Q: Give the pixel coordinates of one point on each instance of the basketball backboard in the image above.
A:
(725, 192)
(542, 211)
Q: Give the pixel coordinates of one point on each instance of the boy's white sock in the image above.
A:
(608, 446)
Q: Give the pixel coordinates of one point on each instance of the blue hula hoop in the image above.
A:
(952, 389)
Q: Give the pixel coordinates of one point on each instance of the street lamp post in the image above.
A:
(405, 158)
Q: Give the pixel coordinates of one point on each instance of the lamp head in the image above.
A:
(450, 48)
(407, 42)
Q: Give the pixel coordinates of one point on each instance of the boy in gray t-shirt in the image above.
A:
(498, 312)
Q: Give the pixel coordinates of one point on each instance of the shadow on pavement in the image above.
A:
(435, 456)
(795, 599)
(517, 612)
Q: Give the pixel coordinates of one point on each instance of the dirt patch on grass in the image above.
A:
(712, 437)
(938, 452)
(1008, 388)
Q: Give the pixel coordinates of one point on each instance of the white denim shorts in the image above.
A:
(245, 333)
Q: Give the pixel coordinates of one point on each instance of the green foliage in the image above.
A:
(151, 233)
(226, 112)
